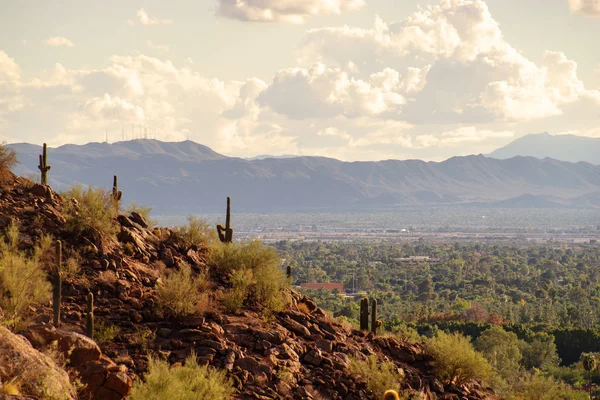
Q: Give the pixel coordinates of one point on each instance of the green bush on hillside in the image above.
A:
(23, 281)
(379, 376)
(256, 275)
(92, 211)
(197, 233)
(188, 382)
(181, 293)
(455, 359)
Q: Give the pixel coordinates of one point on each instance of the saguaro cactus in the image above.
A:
(226, 233)
(44, 167)
(374, 322)
(289, 272)
(364, 314)
(89, 326)
(116, 193)
(57, 285)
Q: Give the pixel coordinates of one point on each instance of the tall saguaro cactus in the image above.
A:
(89, 326)
(364, 314)
(116, 193)
(44, 167)
(57, 285)
(374, 322)
(226, 233)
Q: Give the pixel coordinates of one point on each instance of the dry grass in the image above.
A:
(197, 233)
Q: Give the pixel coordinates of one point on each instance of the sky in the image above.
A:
(349, 79)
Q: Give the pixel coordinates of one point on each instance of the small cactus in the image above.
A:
(116, 193)
(226, 233)
(44, 167)
(89, 326)
(364, 314)
(57, 285)
(374, 320)
(289, 272)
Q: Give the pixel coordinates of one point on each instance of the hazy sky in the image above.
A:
(351, 79)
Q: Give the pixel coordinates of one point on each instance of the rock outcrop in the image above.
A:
(297, 354)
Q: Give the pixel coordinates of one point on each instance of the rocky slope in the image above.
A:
(122, 274)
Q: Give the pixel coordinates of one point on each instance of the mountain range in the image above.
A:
(186, 177)
(570, 148)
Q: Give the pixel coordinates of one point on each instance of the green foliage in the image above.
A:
(104, 332)
(532, 386)
(197, 233)
(455, 359)
(255, 274)
(379, 376)
(188, 382)
(539, 353)
(92, 211)
(182, 293)
(23, 281)
(501, 349)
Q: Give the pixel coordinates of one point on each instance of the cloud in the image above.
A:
(321, 92)
(58, 41)
(585, 7)
(457, 64)
(290, 11)
(147, 20)
(163, 48)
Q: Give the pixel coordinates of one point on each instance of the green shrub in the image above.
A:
(532, 386)
(379, 376)
(256, 276)
(188, 382)
(23, 281)
(93, 211)
(197, 233)
(455, 359)
(104, 332)
(181, 293)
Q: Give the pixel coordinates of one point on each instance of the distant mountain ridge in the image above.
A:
(187, 177)
(569, 148)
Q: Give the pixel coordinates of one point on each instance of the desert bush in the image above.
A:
(93, 211)
(182, 293)
(533, 386)
(379, 376)
(190, 381)
(142, 210)
(8, 159)
(255, 271)
(197, 233)
(23, 281)
(455, 359)
(105, 332)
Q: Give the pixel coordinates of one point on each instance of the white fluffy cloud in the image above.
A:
(292, 11)
(58, 41)
(585, 7)
(146, 20)
(462, 68)
(321, 92)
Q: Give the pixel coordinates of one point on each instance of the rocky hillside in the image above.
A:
(122, 274)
